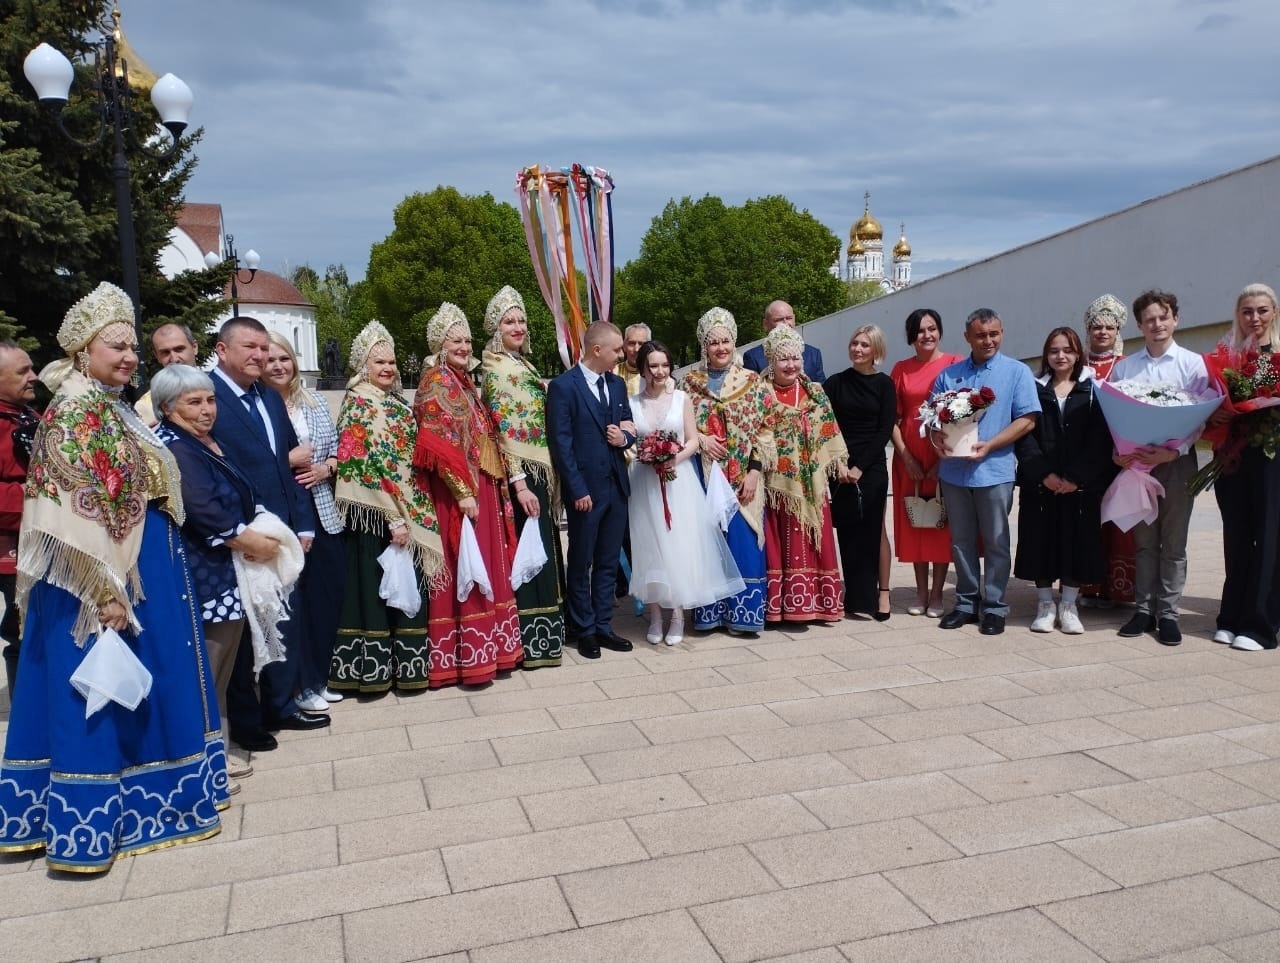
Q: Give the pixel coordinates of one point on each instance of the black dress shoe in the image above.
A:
(955, 618)
(1140, 624)
(1168, 633)
(992, 624)
(256, 739)
(613, 642)
(301, 721)
(588, 647)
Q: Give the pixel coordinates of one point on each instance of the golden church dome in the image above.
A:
(902, 248)
(141, 77)
(855, 248)
(867, 228)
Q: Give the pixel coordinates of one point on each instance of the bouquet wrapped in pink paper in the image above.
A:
(1143, 413)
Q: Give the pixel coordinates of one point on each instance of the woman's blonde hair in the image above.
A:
(876, 337)
(1237, 339)
(294, 392)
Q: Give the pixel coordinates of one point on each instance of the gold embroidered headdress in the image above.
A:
(716, 318)
(102, 308)
(1107, 311)
(782, 339)
(502, 302)
(374, 333)
(448, 316)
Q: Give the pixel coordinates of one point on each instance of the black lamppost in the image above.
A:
(251, 262)
(51, 74)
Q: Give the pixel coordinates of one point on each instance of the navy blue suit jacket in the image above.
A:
(267, 471)
(584, 460)
(753, 360)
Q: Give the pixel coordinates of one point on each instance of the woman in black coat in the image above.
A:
(1064, 466)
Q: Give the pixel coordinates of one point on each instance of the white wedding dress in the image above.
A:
(688, 564)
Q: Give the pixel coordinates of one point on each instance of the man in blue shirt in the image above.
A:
(978, 488)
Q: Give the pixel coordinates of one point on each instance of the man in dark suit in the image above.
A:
(588, 427)
(254, 432)
(779, 312)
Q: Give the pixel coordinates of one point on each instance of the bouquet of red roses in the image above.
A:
(658, 449)
(956, 413)
(1250, 381)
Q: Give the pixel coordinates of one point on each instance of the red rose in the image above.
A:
(987, 394)
(92, 420)
(1249, 369)
(944, 416)
(101, 463)
(114, 482)
(1265, 391)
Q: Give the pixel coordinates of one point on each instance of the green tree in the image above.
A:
(57, 204)
(863, 289)
(698, 254)
(448, 246)
(342, 308)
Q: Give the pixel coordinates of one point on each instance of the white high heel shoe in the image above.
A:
(675, 633)
(654, 635)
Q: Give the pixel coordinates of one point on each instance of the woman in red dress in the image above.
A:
(459, 463)
(915, 462)
(1103, 321)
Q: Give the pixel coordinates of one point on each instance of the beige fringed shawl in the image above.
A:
(742, 413)
(518, 402)
(376, 437)
(94, 467)
(810, 449)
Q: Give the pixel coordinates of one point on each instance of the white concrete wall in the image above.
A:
(1203, 243)
(180, 254)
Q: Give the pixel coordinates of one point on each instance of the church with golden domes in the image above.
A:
(864, 258)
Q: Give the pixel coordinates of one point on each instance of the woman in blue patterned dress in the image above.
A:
(101, 548)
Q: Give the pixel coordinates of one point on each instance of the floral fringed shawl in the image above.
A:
(455, 432)
(94, 467)
(376, 435)
(517, 401)
(743, 415)
(810, 450)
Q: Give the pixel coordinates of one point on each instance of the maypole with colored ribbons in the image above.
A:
(551, 202)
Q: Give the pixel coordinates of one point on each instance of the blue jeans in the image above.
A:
(983, 513)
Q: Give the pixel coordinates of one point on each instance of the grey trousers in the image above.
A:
(973, 513)
(222, 639)
(1160, 549)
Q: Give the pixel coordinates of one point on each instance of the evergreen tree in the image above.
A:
(58, 224)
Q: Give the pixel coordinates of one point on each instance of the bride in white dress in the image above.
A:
(689, 563)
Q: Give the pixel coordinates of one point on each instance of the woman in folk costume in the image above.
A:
(379, 646)
(460, 464)
(100, 548)
(799, 544)
(733, 407)
(518, 402)
(1103, 325)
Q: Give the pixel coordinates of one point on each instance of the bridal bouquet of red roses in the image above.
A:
(658, 449)
(1250, 380)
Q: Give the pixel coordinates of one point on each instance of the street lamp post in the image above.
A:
(251, 262)
(51, 74)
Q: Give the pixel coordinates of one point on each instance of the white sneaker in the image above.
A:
(1246, 644)
(1045, 615)
(1069, 619)
(312, 702)
(1224, 637)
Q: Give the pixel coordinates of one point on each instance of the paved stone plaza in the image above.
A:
(865, 791)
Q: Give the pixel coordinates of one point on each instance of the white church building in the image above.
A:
(270, 298)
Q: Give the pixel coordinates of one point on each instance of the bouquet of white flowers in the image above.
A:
(1141, 413)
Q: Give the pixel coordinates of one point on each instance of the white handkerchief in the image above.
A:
(722, 500)
(471, 570)
(399, 586)
(110, 672)
(531, 555)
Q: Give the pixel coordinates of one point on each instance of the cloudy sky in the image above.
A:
(982, 124)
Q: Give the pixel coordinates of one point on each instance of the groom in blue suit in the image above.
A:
(255, 434)
(588, 427)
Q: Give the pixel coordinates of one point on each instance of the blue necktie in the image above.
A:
(250, 398)
(604, 399)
